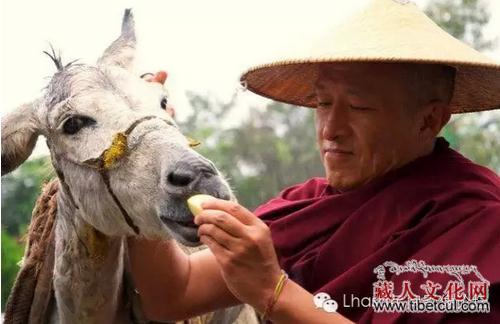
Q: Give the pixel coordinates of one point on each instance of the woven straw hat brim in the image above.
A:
(386, 31)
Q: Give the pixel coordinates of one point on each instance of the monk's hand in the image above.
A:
(243, 247)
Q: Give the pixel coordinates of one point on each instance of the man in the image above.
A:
(383, 86)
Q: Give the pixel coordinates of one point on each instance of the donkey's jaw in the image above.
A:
(184, 232)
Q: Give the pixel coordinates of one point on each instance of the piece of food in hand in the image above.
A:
(194, 203)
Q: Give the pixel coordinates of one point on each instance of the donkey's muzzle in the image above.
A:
(195, 174)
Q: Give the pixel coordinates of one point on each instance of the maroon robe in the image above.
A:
(441, 208)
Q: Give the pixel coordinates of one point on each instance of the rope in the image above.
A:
(32, 290)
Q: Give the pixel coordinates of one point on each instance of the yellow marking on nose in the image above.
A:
(116, 151)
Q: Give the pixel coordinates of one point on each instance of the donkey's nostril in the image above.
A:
(181, 178)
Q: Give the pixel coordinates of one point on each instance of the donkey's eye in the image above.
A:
(74, 124)
(163, 103)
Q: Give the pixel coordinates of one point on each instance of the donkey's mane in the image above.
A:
(60, 85)
(56, 58)
(76, 266)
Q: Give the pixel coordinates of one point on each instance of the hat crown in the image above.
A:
(391, 29)
(382, 31)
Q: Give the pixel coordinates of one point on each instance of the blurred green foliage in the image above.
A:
(20, 189)
(464, 19)
(271, 149)
(475, 135)
(12, 252)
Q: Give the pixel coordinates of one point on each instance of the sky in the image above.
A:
(204, 45)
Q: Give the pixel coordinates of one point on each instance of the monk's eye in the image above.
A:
(324, 104)
(360, 108)
(163, 103)
(74, 124)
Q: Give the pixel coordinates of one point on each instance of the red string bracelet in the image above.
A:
(277, 291)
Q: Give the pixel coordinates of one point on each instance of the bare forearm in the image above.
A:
(175, 286)
(295, 305)
(157, 287)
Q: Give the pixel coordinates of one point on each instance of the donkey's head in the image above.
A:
(122, 161)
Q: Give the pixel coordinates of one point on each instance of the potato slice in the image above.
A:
(194, 203)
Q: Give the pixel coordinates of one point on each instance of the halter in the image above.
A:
(108, 159)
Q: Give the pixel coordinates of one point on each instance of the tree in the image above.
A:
(12, 253)
(272, 149)
(20, 190)
(464, 19)
(275, 146)
(475, 135)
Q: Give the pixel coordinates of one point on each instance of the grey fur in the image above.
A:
(89, 287)
(121, 51)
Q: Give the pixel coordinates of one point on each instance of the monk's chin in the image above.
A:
(343, 182)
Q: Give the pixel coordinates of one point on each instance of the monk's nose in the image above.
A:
(335, 123)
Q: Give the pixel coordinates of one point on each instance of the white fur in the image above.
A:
(89, 290)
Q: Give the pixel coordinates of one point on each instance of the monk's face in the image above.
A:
(364, 122)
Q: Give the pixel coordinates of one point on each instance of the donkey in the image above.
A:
(124, 169)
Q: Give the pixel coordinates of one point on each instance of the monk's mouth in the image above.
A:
(337, 151)
(337, 156)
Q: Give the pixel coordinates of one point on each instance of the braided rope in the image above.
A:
(32, 290)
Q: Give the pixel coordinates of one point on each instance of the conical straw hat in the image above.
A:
(384, 31)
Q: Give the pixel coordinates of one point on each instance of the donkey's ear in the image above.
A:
(20, 130)
(122, 51)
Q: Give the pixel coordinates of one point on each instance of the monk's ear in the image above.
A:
(432, 117)
(20, 130)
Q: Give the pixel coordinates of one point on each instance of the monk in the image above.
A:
(399, 218)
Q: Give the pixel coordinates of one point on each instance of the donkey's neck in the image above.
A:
(88, 274)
